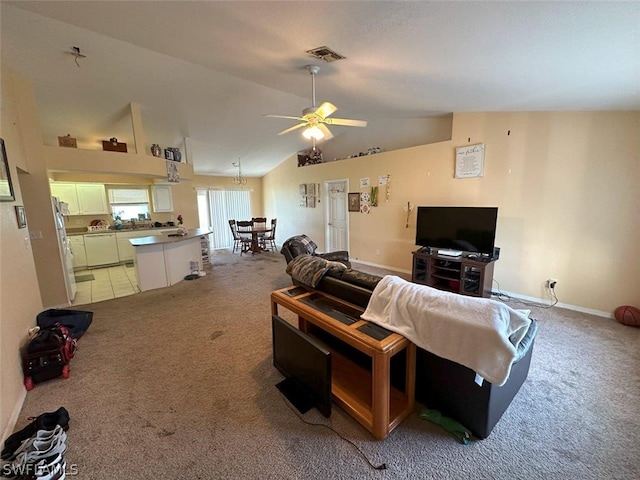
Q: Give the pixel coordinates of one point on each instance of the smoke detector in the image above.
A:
(326, 54)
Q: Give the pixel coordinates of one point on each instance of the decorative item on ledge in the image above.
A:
(312, 156)
(371, 151)
(67, 141)
(113, 145)
(174, 154)
(156, 151)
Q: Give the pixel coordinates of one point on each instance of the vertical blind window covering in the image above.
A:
(226, 205)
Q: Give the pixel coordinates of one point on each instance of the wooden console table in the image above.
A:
(364, 389)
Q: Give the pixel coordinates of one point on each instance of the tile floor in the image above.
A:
(109, 282)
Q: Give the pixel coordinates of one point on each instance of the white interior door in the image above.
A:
(337, 228)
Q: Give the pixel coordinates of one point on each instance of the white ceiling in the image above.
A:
(210, 70)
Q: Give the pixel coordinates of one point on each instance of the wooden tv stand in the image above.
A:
(462, 275)
(363, 380)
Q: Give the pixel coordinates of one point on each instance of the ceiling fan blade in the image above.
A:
(326, 109)
(346, 122)
(295, 127)
(327, 133)
(284, 116)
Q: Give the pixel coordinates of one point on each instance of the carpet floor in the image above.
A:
(178, 383)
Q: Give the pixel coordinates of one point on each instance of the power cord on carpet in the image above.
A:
(382, 466)
(503, 297)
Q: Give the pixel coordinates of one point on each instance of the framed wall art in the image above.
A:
(21, 216)
(172, 172)
(6, 187)
(470, 161)
(354, 202)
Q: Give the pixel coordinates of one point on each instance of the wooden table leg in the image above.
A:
(380, 393)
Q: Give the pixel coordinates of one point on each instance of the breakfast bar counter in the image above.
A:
(164, 260)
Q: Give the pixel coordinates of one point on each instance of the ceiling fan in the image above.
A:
(316, 119)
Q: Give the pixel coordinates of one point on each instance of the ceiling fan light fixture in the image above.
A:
(313, 132)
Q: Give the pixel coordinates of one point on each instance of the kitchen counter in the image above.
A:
(168, 238)
(161, 261)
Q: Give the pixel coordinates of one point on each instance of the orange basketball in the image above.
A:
(628, 315)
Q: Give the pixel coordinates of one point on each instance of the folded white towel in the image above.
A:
(479, 333)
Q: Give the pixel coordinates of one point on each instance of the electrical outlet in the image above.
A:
(377, 252)
(552, 283)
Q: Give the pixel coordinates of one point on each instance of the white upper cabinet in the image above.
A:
(66, 192)
(83, 198)
(162, 198)
(92, 198)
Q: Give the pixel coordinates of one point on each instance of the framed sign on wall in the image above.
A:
(470, 161)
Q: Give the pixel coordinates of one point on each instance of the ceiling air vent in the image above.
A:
(326, 54)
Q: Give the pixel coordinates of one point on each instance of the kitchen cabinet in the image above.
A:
(162, 198)
(79, 254)
(67, 193)
(82, 198)
(125, 249)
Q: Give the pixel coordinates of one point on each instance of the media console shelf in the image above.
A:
(365, 358)
(462, 275)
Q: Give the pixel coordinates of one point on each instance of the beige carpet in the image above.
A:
(178, 383)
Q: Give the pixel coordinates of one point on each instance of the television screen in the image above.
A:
(306, 365)
(470, 229)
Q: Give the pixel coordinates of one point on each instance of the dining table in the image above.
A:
(255, 247)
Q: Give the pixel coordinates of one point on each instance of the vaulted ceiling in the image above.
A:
(209, 70)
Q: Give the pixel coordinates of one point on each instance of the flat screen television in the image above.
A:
(306, 366)
(470, 229)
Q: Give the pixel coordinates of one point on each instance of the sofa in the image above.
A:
(440, 383)
(301, 245)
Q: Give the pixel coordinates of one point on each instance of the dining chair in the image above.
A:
(269, 238)
(260, 222)
(244, 228)
(237, 241)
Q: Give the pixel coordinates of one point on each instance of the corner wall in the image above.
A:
(565, 184)
(19, 292)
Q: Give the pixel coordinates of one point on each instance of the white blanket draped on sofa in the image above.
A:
(479, 333)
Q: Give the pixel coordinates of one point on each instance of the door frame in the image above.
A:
(327, 213)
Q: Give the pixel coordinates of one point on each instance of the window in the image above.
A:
(129, 203)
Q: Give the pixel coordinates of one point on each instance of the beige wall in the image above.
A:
(565, 184)
(19, 293)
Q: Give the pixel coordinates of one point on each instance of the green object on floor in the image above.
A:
(460, 431)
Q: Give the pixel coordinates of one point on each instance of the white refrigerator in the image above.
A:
(66, 254)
